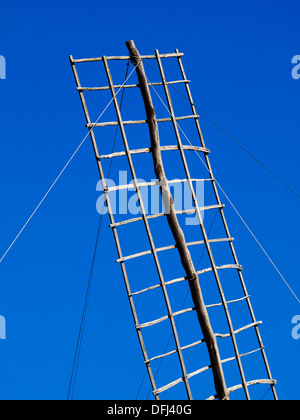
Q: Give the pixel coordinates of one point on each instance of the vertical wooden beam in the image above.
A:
(177, 232)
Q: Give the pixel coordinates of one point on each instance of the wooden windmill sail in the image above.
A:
(194, 278)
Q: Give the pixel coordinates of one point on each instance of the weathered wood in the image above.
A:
(122, 57)
(207, 270)
(154, 216)
(148, 150)
(169, 247)
(150, 184)
(93, 89)
(133, 122)
(246, 327)
(271, 382)
(178, 234)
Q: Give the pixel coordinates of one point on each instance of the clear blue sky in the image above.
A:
(238, 56)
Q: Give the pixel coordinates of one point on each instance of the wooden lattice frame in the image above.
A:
(145, 219)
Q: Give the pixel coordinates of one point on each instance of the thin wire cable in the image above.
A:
(86, 301)
(230, 137)
(232, 205)
(62, 171)
(83, 318)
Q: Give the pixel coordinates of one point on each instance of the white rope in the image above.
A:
(231, 203)
(63, 170)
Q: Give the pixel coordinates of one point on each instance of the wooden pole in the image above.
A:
(177, 232)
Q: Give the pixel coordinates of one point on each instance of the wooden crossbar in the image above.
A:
(134, 122)
(93, 89)
(123, 57)
(169, 247)
(148, 150)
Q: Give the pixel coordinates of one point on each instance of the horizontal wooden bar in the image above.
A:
(148, 289)
(167, 248)
(207, 270)
(148, 150)
(164, 318)
(123, 57)
(254, 324)
(154, 216)
(196, 343)
(166, 387)
(100, 88)
(230, 301)
(205, 368)
(151, 323)
(136, 122)
(250, 383)
(150, 184)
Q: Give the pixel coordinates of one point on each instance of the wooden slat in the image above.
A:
(189, 346)
(100, 88)
(133, 122)
(154, 216)
(271, 382)
(150, 184)
(169, 247)
(230, 301)
(254, 324)
(223, 267)
(148, 150)
(123, 57)
(164, 318)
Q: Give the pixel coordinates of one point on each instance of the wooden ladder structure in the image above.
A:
(193, 276)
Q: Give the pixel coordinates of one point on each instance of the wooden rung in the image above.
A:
(174, 383)
(164, 318)
(151, 184)
(151, 323)
(166, 387)
(175, 351)
(238, 267)
(148, 150)
(254, 324)
(154, 216)
(230, 301)
(124, 57)
(100, 88)
(231, 359)
(167, 248)
(206, 270)
(250, 383)
(133, 122)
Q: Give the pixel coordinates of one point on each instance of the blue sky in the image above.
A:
(238, 56)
